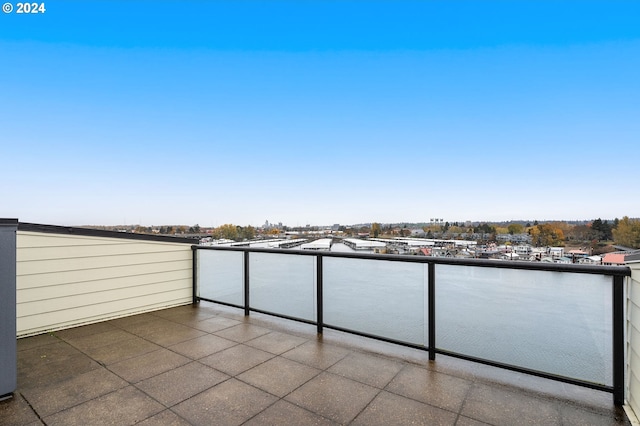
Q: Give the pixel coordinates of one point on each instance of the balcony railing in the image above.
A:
(561, 322)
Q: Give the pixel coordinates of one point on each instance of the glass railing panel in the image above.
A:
(382, 298)
(555, 322)
(221, 276)
(283, 284)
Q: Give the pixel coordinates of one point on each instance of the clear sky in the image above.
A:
(162, 112)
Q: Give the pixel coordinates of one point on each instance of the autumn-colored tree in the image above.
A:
(627, 233)
(247, 232)
(546, 235)
(456, 229)
(227, 231)
(515, 228)
(376, 229)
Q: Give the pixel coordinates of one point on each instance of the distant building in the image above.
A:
(522, 249)
(323, 244)
(590, 260)
(616, 258)
(556, 251)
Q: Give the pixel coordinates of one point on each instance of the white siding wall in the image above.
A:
(67, 280)
(633, 345)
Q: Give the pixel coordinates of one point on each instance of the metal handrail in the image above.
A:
(617, 273)
(623, 271)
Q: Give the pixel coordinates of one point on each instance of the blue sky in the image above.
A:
(159, 112)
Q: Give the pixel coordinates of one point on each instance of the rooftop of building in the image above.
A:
(209, 364)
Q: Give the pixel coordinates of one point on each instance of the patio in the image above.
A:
(211, 365)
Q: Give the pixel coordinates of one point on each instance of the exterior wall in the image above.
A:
(633, 339)
(65, 279)
(8, 355)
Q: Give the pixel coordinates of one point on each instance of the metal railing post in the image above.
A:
(319, 297)
(246, 284)
(618, 340)
(194, 271)
(431, 288)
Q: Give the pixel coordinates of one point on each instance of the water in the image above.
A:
(555, 322)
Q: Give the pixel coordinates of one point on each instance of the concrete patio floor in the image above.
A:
(209, 365)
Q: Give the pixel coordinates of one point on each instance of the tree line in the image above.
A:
(624, 232)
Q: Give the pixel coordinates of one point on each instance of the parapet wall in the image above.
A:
(67, 277)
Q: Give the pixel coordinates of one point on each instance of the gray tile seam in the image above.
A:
(222, 372)
(368, 404)
(280, 332)
(81, 403)
(464, 401)
(283, 398)
(361, 382)
(167, 347)
(423, 402)
(204, 331)
(169, 410)
(226, 380)
(320, 371)
(196, 359)
(236, 345)
(288, 402)
(168, 407)
(31, 407)
(244, 371)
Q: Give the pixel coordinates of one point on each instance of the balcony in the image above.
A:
(210, 364)
(172, 333)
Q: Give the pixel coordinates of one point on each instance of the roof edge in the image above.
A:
(89, 232)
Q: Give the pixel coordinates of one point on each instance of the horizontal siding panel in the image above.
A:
(80, 251)
(80, 276)
(48, 266)
(25, 295)
(43, 323)
(633, 314)
(634, 381)
(104, 297)
(634, 291)
(634, 364)
(67, 280)
(634, 339)
(634, 389)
